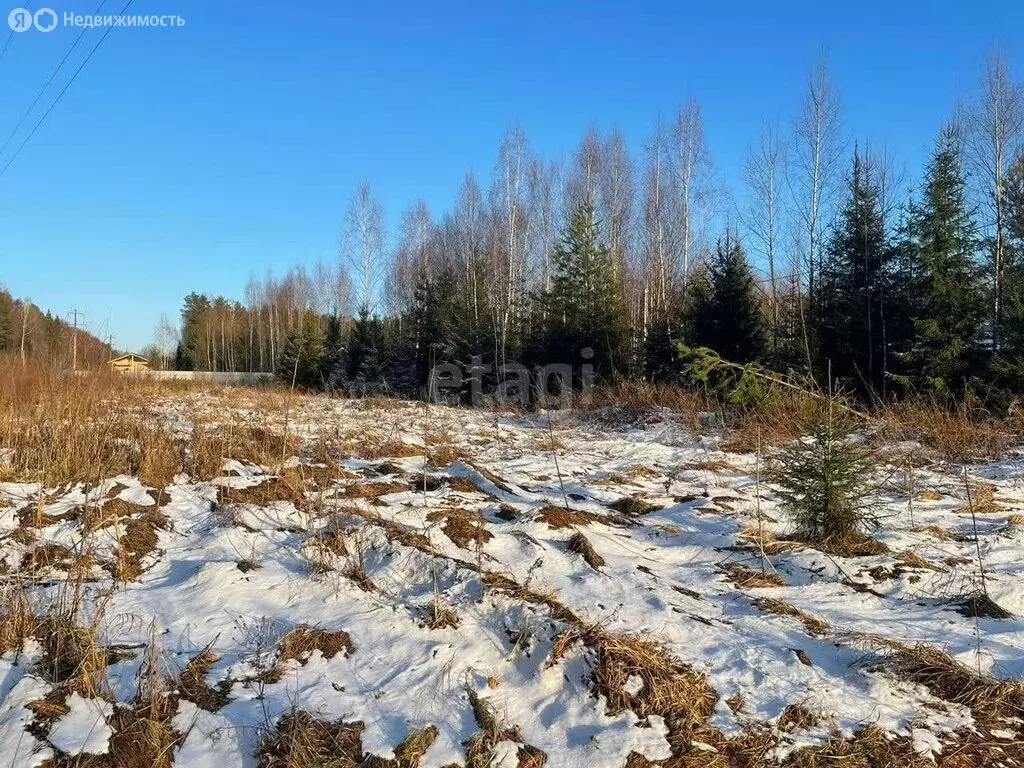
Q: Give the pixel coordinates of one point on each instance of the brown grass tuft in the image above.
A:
(302, 741)
(560, 517)
(579, 544)
(634, 506)
(990, 699)
(192, 683)
(797, 717)
(300, 642)
(466, 529)
(813, 625)
(441, 616)
(961, 435)
(746, 578)
(670, 689)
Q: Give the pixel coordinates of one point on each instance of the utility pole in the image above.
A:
(110, 346)
(74, 339)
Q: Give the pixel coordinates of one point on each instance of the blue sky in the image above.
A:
(185, 158)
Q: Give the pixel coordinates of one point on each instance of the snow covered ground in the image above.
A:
(478, 583)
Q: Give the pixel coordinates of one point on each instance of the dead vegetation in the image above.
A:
(579, 544)
(465, 528)
(562, 517)
(441, 616)
(990, 700)
(964, 434)
(302, 741)
(192, 683)
(747, 578)
(634, 506)
(301, 641)
(813, 625)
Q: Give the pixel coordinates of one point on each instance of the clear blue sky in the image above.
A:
(185, 158)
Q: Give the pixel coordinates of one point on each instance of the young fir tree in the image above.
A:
(822, 480)
(724, 309)
(855, 289)
(302, 358)
(439, 322)
(334, 352)
(583, 305)
(945, 291)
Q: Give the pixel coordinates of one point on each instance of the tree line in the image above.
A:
(833, 265)
(28, 333)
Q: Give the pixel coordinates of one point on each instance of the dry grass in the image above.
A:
(988, 698)
(939, 533)
(373, 490)
(916, 561)
(407, 754)
(982, 501)
(301, 641)
(192, 683)
(137, 542)
(560, 517)
(774, 424)
(852, 544)
(670, 689)
(746, 578)
(1015, 520)
(441, 616)
(965, 434)
(797, 717)
(642, 397)
(814, 626)
(465, 528)
(579, 544)
(634, 506)
(302, 741)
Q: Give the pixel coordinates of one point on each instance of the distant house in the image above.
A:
(130, 363)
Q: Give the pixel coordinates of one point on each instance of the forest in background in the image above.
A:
(835, 265)
(30, 333)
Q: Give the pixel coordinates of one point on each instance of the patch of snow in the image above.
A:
(84, 729)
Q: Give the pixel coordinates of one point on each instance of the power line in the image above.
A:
(42, 90)
(60, 95)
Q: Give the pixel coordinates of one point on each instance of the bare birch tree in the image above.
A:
(764, 172)
(813, 175)
(692, 170)
(995, 132)
(363, 244)
(616, 199)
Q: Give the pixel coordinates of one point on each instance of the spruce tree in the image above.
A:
(334, 353)
(944, 289)
(583, 305)
(1012, 333)
(855, 289)
(724, 309)
(302, 358)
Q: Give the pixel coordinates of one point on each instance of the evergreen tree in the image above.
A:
(1012, 334)
(855, 289)
(439, 322)
(944, 293)
(6, 325)
(725, 310)
(583, 305)
(192, 354)
(302, 358)
(334, 352)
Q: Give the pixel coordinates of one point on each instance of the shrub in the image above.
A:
(822, 479)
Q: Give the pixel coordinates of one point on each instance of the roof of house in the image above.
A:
(130, 356)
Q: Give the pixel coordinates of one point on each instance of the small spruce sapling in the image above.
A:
(823, 480)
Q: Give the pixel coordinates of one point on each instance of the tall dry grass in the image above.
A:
(57, 428)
